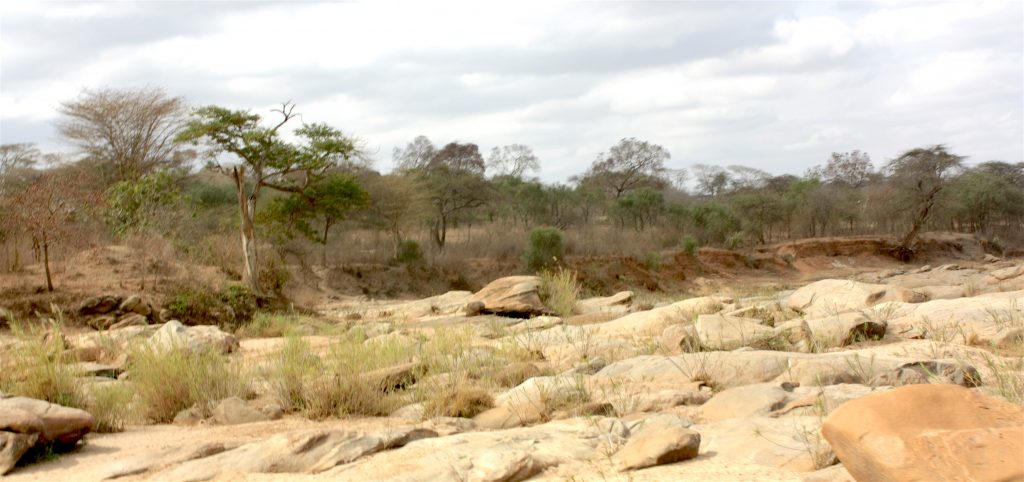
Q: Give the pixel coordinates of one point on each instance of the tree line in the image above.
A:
(136, 154)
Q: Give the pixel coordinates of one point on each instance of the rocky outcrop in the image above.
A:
(928, 432)
(27, 422)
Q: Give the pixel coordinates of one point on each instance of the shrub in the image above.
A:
(168, 381)
(409, 252)
(559, 291)
(690, 245)
(33, 367)
(289, 369)
(198, 304)
(111, 406)
(458, 400)
(653, 261)
(544, 249)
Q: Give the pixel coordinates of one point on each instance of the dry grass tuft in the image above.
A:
(168, 381)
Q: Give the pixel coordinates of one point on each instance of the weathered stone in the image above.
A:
(928, 432)
(130, 320)
(658, 446)
(745, 401)
(514, 295)
(310, 451)
(98, 305)
(54, 423)
(234, 410)
(12, 447)
(830, 297)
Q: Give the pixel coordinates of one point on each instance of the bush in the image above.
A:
(111, 406)
(409, 252)
(33, 367)
(559, 291)
(544, 249)
(168, 381)
(690, 245)
(198, 304)
(653, 261)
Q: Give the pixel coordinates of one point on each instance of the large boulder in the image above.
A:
(512, 295)
(615, 303)
(846, 328)
(26, 422)
(746, 401)
(928, 432)
(174, 335)
(832, 296)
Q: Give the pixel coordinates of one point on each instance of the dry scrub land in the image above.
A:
(865, 370)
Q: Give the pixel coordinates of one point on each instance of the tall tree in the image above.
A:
(513, 160)
(630, 164)
(128, 132)
(416, 155)
(266, 160)
(14, 160)
(852, 168)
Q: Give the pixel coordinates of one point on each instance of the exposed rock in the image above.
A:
(831, 296)
(835, 473)
(174, 335)
(98, 305)
(932, 371)
(12, 447)
(310, 451)
(718, 332)
(130, 320)
(512, 295)
(603, 304)
(658, 446)
(504, 417)
(995, 319)
(54, 423)
(234, 410)
(27, 422)
(396, 377)
(746, 401)
(93, 369)
(498, 456)
(928, 432)
(786, 443)
(188, 416)
(131, 304)
(847, 328)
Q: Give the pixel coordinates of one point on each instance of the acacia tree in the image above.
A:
(513, 160)
(313, 212)
(14, 159)
(129, 132)
(416, 155)
(396, 202)
(919, 175)
(265, 160)
(630, 164)
(455, 180)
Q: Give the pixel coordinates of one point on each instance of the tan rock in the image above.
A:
(517, 295)
(831, 296)
(928, 432)
(12, 447)
(658, 446)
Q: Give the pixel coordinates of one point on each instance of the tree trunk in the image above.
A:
(247, 208)
(46, 265)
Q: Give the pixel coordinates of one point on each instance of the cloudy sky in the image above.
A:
(773, 85)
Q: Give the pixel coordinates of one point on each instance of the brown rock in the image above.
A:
(130, 320)
(53, 423)
(516, 295)
(99, 305)
(928, 432)
(12, 447)
(658, 446)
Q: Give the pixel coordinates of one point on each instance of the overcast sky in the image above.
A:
(777, 86)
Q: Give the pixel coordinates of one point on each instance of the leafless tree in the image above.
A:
(416, 155)
(512, 160)
(129, 132)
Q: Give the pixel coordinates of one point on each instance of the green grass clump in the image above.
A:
(559, 290)
(170, 380)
